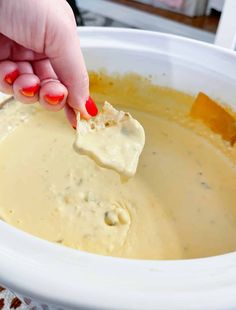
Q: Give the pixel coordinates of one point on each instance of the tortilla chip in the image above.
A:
(113, 139)
(214, 116)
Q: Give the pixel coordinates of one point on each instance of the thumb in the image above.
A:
(62, 47)
(68, 63)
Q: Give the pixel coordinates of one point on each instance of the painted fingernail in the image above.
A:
(11, 77)
(53, 100)
(91, 107)
(30, 91)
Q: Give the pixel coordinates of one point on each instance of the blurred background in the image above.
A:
(197, 19)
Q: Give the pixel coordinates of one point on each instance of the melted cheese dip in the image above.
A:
(180, 204)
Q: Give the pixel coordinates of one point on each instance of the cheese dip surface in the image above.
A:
(180, 203)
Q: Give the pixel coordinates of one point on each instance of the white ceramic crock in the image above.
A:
(70, 279)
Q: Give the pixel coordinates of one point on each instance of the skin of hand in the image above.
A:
(40, 57)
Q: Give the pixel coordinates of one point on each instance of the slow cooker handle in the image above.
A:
(226, 32)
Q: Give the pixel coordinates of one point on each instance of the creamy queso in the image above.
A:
(180, 203)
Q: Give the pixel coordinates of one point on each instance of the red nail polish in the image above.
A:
(91, 107)
(53, 100)
(30, 91)
(11, 77)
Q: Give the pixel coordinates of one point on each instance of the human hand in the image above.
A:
(40, 56)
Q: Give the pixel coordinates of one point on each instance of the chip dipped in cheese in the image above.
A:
(113, 139)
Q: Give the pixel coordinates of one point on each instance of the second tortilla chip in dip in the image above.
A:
(113, 139)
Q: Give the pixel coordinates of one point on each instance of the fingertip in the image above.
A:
(87, 110)
(26, 88)
(9, 72)
(53, 95)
